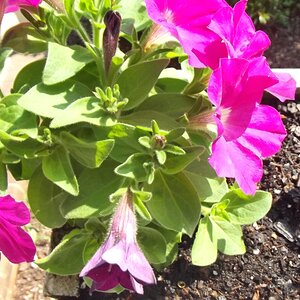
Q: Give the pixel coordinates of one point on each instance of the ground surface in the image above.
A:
(271, 267)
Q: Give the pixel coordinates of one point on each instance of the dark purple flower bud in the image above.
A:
(112, 22)
(120, 261)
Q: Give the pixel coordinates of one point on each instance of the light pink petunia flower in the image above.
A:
(120, 261)
(15, 243)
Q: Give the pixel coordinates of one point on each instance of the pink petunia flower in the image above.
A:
(237, 31)
(248, 131)
(120, 261)
(235, 88)
(187, 21)
(14, 5)
(241, 158)
(15, 243)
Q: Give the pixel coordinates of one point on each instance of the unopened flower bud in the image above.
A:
(112, 21)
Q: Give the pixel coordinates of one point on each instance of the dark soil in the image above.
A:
(285, 48)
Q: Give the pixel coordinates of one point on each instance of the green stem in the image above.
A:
(98, 57)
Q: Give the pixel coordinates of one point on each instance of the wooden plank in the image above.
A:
(8, 275)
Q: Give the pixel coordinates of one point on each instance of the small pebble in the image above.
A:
(181, 284)
(256, 251)
(214, 294)
(274, 235)
(200, 284)
(215, 273)
(297, 131)
(277, 192)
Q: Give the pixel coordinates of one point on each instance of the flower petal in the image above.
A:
(97, 260)
(138, 265)
(15, 243)
(14, 5)
(231, 159)
(14, 212)
(265, 132)
(106, 277)
(285, 88)
(137, 286)
(117, 255)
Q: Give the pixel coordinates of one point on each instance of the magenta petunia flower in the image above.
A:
(241, 158)
(237, 31)
(248, 131)
(235, 88)
(187, 21)
(120, 261)
(14, 5)
(15, 243)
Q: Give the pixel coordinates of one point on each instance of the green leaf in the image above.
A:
(29, 166)
(90, 249)
(172, 239)
(3, 179)
(139, 197)
(204, 251)
(48, 101)
(30, 75)
(174, 203)
(133, 167)
(144, 118)
(61, 260)
(243, 209)
(45, 199)
(161, 156)
(126, 140)
(137, 81)
(227, 236)
(57, 168)
(74, 59)
(14, 119)
(170, 85)
(135, 10)
(177, 163)
(4, 53)
(96, 186)
(153, 245)
(23, 147)
(24, 38)
(174, 134)
(210, 190)
(202, 166)
(90, 155)
(83, 110)
(171, 104)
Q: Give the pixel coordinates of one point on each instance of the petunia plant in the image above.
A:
(129, 127)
